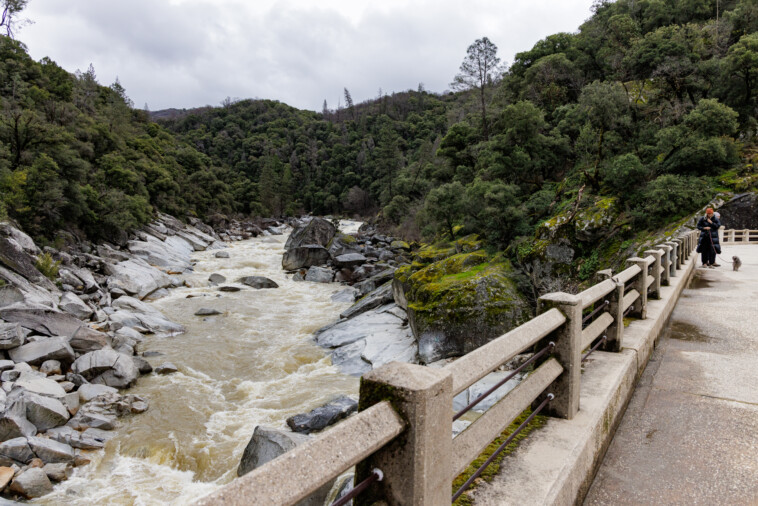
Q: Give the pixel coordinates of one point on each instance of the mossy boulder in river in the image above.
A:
(459, 303)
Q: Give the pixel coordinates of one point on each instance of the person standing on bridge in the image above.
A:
(708, 243)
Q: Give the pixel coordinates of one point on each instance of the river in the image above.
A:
(254, 364)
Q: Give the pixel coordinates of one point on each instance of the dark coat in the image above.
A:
(703, 241)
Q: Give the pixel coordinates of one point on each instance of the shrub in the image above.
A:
(47, 266)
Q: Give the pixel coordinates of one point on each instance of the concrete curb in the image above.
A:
(556, 464)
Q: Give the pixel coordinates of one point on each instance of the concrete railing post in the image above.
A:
(672, 257)
(615, 331)
(639, 308)
(568, 343)
(746, 236)
(416, 464)
(730, 235)
(665, 264)
(655, 288)
(679, 252)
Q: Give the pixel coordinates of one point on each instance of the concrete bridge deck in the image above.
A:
(690, 432)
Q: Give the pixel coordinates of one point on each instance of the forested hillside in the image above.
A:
(649, 109)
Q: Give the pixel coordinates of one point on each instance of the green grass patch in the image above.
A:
(494, 467)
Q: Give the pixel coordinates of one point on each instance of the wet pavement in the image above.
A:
(690, 433)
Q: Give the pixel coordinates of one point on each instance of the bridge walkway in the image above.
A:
(690, 432)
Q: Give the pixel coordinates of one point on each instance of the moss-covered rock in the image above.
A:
(596, 221)
(460, 302)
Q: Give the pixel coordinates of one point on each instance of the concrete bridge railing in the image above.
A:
(404, 425)
(732, 236)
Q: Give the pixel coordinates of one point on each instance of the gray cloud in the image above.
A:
(187, 53)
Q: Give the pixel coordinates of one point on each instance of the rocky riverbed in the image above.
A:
(244, 332)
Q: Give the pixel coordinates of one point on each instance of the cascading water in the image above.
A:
(253, 364)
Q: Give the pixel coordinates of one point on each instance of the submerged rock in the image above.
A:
(265, 445)
(258, 282)
(206, 311)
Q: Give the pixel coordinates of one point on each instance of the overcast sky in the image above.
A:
(190, 53)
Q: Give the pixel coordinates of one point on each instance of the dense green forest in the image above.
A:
(650, 105)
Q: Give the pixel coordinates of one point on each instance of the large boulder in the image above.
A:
(54, 323)
(460, 303)
(369, 340)
(323, 416)
(107, 367)
(89, 439)
(136, 277)
(304, 256)
(317, 231)
(34, 353)
(148, 318)
(349, 259)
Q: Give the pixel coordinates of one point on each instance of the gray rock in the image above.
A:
(166, 368)
(11, 336)
(344, 295)
(42, 386)
(221, 254)
(135, 313)
(229, 288)
(50, 367)
(350, 260)
(206, 311)
(89, 391)
(216, 278)
(10, 295)
(50, 451)
(375, 281)
(317, 231)
(459, 426)
(11, 375)
(143, 365)
(58, 472)
(350, 360)
(16, 451)
(54, 348)
(107, 367)
(44, 412)
(13, 254)
(136, 277)
(380, 296)
(90, 439)
(6, 364)
(75, 306)
(323, 416)
(265, 445)
(319, 275)
(304, 256)
(342, 244)
(85, 339)
(13, 423)
(43, 321)
(31, 483)
(258, 282)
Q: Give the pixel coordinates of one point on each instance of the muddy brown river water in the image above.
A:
(254, 364)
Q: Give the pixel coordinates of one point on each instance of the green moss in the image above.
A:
(493, 469)
(348, 239)
(403, 272)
